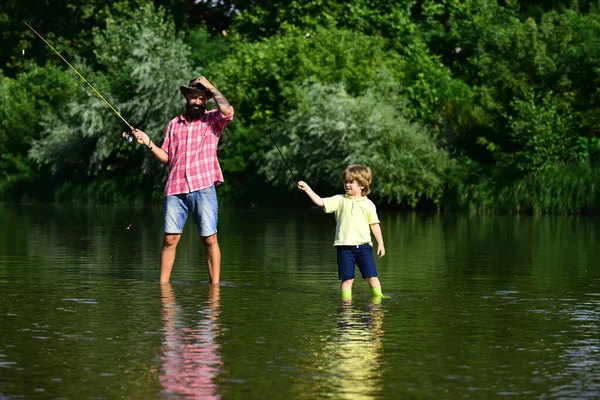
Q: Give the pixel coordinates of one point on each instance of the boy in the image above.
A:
(354, 213)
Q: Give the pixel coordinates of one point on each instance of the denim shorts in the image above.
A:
(203, 206)
(361, 255)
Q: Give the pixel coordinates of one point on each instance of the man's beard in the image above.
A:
(194, 112)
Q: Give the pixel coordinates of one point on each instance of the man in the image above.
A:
(190, 152)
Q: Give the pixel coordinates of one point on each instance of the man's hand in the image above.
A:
(204, 82)
(221, 101)
(141, 137)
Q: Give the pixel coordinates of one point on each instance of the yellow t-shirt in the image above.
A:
(353, 219)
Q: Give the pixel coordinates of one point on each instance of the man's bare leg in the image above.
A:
(213, 258)
(167, 256)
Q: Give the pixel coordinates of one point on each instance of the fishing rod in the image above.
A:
(266, 128)
(128, 135)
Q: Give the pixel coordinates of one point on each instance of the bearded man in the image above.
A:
(190, 152)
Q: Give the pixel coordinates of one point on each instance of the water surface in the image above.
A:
(479, 307)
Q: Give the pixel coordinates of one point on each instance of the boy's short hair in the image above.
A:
(359, 173)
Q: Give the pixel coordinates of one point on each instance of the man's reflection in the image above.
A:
(190, 355)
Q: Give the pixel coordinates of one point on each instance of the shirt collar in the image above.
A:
(347, 196)
(181, 119)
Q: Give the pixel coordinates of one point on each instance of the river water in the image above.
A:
(477, 307)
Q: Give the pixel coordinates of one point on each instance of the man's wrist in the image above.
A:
(150, 144)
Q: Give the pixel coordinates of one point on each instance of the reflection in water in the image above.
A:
(582, 374)
(354, 354)
(190, 355)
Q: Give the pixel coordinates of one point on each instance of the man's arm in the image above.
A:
(313, 196)
(221, 101)
(143, 138)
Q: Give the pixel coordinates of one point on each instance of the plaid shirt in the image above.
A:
(192, 150)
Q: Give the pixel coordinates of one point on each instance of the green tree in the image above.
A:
(23, 103)
(68, 24)
(260, 79)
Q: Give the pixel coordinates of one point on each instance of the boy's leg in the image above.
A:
(345, 261)
(347, 285)
(346, 288)
(366, 263)
(374, 282)
(167, 256)
(375, 286)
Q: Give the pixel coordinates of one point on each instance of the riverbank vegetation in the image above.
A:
(478, 104)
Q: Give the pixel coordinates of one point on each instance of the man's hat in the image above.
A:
(194, 87)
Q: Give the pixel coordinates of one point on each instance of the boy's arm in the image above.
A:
(377, 232)
(313, 196)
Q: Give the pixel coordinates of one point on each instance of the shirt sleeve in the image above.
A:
(373, 218)
(330, 204)
(220, 121)
(165, 144)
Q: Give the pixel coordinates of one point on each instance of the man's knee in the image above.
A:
(210, 241)
(171, 240)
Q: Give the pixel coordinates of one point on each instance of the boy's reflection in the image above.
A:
(355, 352)
(190, 355)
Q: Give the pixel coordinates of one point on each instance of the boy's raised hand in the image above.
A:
(313, 196)
(303, 186)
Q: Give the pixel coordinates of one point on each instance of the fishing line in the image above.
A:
(259, 115)
(83, 79)
(127, 135)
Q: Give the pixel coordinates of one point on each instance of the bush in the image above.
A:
(561, 188)
(332, 129)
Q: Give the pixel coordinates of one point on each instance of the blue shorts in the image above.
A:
(361, 255)
(203, 206)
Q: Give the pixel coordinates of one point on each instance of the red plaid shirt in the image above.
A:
(192, 150)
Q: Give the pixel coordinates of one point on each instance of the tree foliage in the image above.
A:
(23, 103)
(476, 104)
(331, 129)
(143, 64)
